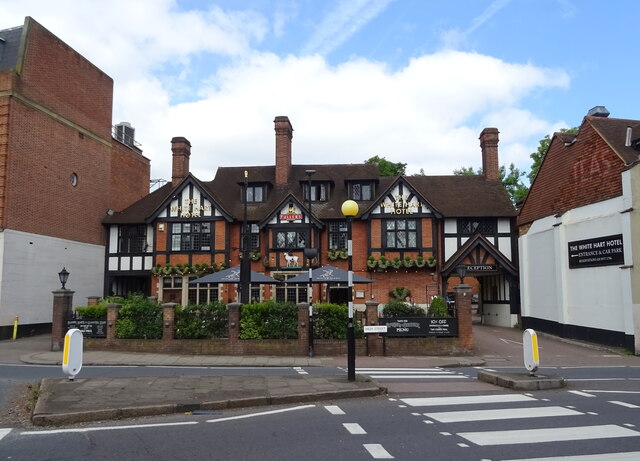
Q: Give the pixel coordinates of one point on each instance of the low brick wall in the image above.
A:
(372, 345)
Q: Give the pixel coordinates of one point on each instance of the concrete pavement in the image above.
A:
(64, 402)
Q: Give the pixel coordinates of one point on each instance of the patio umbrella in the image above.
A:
(232, 275)
(327, 274)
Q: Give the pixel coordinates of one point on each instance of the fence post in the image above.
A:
(374, 340)
(168, 321)
(234, 328)
(112, 318)
(463, 311)
(62, 302)
(303, 328)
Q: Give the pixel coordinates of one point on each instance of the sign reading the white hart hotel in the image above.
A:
(600, 251)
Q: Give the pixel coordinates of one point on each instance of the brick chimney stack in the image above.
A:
(489, 146)
(181, 149)
(284, 134)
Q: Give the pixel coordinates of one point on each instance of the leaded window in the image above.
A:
(191, 236)
(337, 235)
(401, 233)
(290, 239)
(319, 192)
(255, 193)
(132, 239)
(362, 191)
(470, 226)
(203, 293)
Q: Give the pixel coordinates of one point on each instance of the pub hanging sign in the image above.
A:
(595, 252)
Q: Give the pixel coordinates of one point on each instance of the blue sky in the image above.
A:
(414, 81)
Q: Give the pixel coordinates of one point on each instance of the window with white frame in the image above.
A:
(295, 293)
(362, 191)
(203, 293)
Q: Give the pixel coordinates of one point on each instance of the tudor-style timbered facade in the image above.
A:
(411, 231)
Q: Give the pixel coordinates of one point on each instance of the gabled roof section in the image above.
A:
(9, 47)
(581, 169)
(414, 200)
(148, 208)
(288, 200)
(477, 241)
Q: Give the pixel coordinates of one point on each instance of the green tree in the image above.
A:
(386, 167)
(510, 179)
(538, 155)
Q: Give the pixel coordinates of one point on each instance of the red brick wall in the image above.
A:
(130, 176)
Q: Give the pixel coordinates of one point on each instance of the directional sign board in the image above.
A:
(375, 329)
(530, 348)
(72, 355)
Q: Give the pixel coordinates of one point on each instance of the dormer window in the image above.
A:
(319, 192)
(255, 193)
(361, 191)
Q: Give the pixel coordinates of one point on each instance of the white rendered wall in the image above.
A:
(29, 266)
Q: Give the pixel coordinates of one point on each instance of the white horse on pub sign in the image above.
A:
(291, 260)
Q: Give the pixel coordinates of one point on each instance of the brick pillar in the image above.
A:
(112, 318)
(62, 302)
(374, 340)
(168, 321)
(303, 328)
(463, 310)
(93, 300)
(234, 328)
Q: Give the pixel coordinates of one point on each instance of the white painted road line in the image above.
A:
(612, 392)
(507, 413)
(555, 434)
(365, 370)
(300, 371)
(419, 377)
(354, 428)
(623, 404)
(334, 409)
(582, 394)
(377, 451)
(628, 456)
(107, 428)
(467, 400)
(262, 413)
(4, 432)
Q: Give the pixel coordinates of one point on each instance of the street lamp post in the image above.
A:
(349, 210)
(310, 253)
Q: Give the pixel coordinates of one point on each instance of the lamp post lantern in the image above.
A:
(310, 252)
(63, 275)
(349, 210)
(461, 269)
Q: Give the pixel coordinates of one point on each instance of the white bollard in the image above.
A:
(72, 355)
(530, 348)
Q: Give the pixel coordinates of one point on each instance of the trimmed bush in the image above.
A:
(438, 308)
(98, 311)
(139, 318)
(269, 320)
(330, 322)
(400, 309)
(202, 321)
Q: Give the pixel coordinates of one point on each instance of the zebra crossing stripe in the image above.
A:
(555, 434)
(507, 413)
(418, 377)
(623, 404)
(628, 456)
(377, 451)
(467, 400)
(334, 409)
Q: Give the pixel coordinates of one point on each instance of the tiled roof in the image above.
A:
(9, 47)
(614, 132)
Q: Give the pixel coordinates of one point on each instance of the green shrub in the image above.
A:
(269, 320)
(438, 308)
(330, 322)
(139, 318)
(202, 321)
(98, 311)
(400, 309)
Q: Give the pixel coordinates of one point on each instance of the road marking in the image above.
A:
(361, 370)
(377, 451)
(262, 413)
(623, 404)
(556, 434)
(354, 428)
(613, 392)
(4, 432)
(507, 413)
(334, 409)
(582, 394)
(467, 400)
(107, 428)
(418, 377)
(300, 371)
(629, 456)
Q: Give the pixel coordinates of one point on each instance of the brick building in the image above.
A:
(411, 231)
(579, 230)
(61, 172)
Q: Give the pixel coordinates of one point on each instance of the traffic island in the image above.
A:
(522, 381)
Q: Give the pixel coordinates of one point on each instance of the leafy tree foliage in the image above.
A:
(510, 179)
(386, 167)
